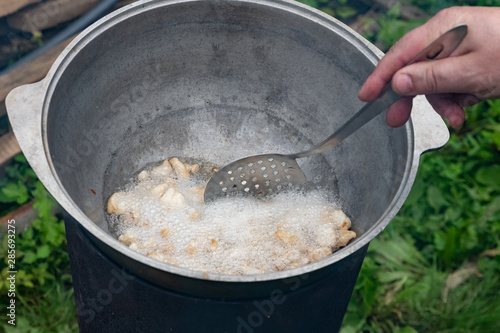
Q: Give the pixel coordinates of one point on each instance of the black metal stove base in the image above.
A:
(109, 299)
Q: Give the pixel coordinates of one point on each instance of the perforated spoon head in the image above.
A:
(258, 176)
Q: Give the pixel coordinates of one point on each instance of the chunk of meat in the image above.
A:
(163, 170)
(159, 190)
(180, 168)
(345, 237)
(121, 203)
(173, 199)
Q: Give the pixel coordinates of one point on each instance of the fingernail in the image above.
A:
(403, 84)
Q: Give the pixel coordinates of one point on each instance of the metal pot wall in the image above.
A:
(217, 80)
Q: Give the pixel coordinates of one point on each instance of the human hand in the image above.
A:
(470, 75)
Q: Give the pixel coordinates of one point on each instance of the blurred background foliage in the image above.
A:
(436, 267)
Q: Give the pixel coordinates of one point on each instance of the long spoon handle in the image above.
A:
(441, 48)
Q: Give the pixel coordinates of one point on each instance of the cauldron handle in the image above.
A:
(429, 130)
(25, 111)
(24, 108)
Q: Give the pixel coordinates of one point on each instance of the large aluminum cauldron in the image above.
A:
(216, 80)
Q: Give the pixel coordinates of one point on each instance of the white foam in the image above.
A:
(233, 235)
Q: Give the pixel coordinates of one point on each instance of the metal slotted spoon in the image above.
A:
(261, 175)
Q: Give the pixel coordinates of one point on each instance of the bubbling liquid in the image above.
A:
(161, 214)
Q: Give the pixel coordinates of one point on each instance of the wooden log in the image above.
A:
(30, 72)
(22, 217)
(11, 6)
(8, 147)
(48, 14)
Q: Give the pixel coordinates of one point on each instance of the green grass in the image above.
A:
(44, 292)
(436, 267)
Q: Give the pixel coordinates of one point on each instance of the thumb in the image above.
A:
(431, 77)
